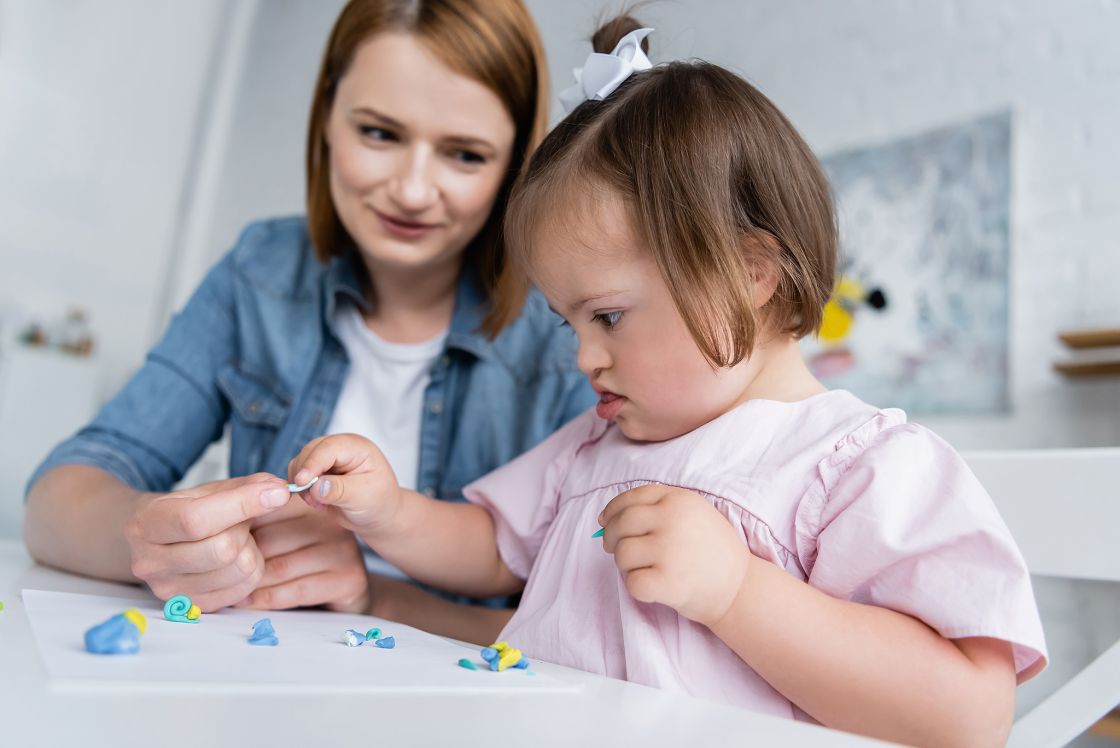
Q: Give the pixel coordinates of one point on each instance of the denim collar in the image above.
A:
(471, 305)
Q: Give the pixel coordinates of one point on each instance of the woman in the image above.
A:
(370, 315)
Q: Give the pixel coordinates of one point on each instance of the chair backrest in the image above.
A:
(1062, 506)
(1063, 509)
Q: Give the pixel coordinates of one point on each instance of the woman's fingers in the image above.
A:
(333, 558)
(175, 519)
(217, 588)
(279, 538)
(192, 557)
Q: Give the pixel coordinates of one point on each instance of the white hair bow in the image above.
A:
(601, 74)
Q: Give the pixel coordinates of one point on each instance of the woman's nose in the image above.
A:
(413, 185)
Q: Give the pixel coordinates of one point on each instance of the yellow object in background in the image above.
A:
(836, 322)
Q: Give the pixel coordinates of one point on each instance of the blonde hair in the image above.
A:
(495, 43)
(718, 185)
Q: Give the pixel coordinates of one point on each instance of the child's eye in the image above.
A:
(607, 319)
(376, 133)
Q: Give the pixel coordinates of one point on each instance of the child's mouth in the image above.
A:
(609, 405)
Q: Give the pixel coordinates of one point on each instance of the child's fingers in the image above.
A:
(633, 521)
(340, 453)
(332, 490)
(650, 493)
(635, 553)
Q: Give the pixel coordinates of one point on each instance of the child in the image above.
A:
(767, 542)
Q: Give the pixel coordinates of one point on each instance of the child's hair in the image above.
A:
(718, 185)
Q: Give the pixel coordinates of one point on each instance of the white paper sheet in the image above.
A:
(216, 653)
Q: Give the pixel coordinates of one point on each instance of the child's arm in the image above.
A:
(855, 667)
(451, 546)
(868, 669)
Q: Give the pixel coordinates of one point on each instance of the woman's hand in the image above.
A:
(356, 486)
(196, 542)
(308, 560)
(675, 548)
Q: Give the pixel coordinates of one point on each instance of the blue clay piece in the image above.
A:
(387, 643)
(118, 635)
(490, 654)
(353, 638)
(522, 664)
(465, 663)
(494, 665)
(263, 634)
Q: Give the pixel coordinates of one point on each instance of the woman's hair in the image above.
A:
(717, 184)
(494, 42)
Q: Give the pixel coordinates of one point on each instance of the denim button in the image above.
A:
(436, 407)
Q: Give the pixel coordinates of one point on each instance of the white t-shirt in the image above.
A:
(383, 396)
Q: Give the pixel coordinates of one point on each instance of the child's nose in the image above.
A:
(592, 358)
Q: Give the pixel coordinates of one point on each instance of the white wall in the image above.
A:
(99, 104)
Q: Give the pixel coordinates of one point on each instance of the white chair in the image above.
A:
(1063, 509)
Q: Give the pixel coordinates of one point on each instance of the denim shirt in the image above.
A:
(255, 346)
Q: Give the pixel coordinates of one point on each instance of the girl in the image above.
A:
(766, 542)
(370, 315)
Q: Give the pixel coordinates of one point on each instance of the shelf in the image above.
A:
(1090, 338)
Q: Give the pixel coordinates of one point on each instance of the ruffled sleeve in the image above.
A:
(523, 495)
(898, 520)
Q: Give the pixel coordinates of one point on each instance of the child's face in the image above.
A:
(633, 344)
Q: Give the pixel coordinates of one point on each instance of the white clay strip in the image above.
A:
(293, 488)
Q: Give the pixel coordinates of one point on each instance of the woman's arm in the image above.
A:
(75, 520)
(195, 542)
(867, 669)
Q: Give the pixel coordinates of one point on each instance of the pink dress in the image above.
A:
(851, 499)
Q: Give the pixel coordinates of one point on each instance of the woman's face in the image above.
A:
(417, 154)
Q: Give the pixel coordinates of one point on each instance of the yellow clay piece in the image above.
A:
(194, 613)
(508, 658)
(137, 618)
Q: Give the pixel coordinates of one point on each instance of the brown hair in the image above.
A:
(495, 43)
(718, 185)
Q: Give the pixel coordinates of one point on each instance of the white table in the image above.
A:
(604, 712)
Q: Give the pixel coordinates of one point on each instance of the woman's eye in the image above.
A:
(376, 133)
(468, 157)
(607, 319)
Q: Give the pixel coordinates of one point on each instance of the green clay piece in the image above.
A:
(373, 634)
(467, 664)
(599, 532)
(1, 606)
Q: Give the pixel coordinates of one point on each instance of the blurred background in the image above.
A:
(137, 137)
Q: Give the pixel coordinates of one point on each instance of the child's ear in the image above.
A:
(763, 253)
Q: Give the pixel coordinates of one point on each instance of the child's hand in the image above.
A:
(355, 484)
(674, 548)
